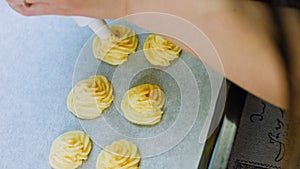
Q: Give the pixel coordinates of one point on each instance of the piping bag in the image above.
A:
(99, 26)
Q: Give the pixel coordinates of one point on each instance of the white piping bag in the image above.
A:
(97, 25)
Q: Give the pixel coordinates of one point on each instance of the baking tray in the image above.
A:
(191, 114)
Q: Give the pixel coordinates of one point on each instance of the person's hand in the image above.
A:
(93, 8)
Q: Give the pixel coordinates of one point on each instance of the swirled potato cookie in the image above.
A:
(90, 97)
(143, 104)
(116, 48)
(120, 154)
(160, 51)
(69, 150)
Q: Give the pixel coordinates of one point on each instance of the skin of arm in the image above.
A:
(242, 32)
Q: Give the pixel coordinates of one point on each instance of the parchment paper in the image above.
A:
(175, 142)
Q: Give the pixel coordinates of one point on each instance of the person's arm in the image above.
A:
(245, 37)
(242, 32)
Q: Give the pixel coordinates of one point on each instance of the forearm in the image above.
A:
(244, 36)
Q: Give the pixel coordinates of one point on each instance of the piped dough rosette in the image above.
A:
(69, 150)
(160, 51)
(116, 48)
(120, 154)
(143, 104)
(90, 97)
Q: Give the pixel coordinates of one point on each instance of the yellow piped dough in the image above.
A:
(120, 154)
(143, 104)
(116, 48)
(160, 51)
(69, 150)
(89, 98)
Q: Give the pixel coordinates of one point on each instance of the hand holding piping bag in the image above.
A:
(91, 8)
